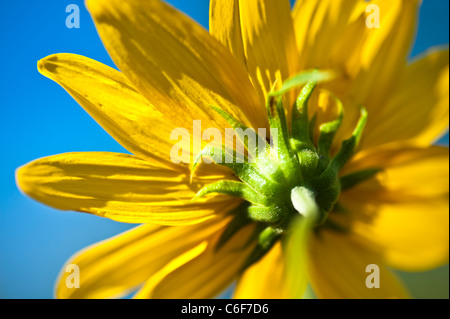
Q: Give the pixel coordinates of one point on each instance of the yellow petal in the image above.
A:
(403, 211)
(120, 187)
(384, 53)
(408, 173)
(368, 61)
(269, 41)
(418, 108)
(225, 26)
(321, 26)
(338, 266)
(114, 267)
(410, 236)
(175, 63)
(114, 103)
(264, 279)
(330, 35)
(204, 276)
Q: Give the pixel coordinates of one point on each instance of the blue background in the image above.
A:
(38, 118)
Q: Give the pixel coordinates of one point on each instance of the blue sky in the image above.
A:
(40, 119)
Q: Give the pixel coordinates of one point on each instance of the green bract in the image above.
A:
(280, 179)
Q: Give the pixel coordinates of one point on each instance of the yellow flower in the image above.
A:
(172, 71)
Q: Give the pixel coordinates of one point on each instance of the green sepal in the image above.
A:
(218, 156)
(270, 215)
(302, 78)
(237, 126)
(239, 221)
(309, 160)
(329, 176)
(312, 127)
(247, 172)
(328, 131)
(353, 179)
(266, 239)
(349, 146)
(332, 225)
(327, 198)
(234, 188)
(277, 120)
(287, 159)
(300, 119)
(215, 153)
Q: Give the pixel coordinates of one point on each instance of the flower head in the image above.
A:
(350, 181)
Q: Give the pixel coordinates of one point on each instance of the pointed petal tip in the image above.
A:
(41, 65)
(20, 179)
(17, 177)
(48, 64)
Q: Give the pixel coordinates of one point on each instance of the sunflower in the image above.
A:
(352, 181)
